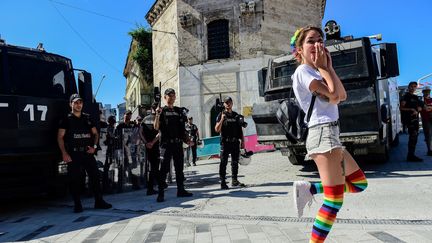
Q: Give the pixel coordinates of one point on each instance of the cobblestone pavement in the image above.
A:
(394, 208)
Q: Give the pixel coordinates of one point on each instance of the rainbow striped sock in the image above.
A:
(354, 183)
(333, 200)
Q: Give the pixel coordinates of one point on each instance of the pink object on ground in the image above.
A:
(251, 144)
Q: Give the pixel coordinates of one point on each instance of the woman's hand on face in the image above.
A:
(329, 59)
(319, 58)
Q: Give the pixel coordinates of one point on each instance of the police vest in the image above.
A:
(172, 124)
(231, 128)
(78, 131)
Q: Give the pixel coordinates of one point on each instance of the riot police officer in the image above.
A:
(192, 129)
(77, 139)
(150, 137)
(230, 128)
(109, 155)
(412, 104)
(170, 121)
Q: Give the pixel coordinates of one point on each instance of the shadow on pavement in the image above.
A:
(396, 166)
(42, 217)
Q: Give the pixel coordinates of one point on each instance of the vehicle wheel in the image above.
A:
(59, 190)
(300, 159)
(383, 155)
(294, 158)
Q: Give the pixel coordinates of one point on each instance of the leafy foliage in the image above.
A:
(143, 54)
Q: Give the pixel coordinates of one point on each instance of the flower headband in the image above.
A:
(294, 39)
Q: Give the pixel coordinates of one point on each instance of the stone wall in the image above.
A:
(282, 18)
(166, 50)
(244, 29)
(266, 30)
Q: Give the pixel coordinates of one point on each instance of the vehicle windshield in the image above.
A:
(38, 75)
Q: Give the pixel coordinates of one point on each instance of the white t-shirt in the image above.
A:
(323, 111)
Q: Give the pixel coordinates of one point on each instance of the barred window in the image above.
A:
(218, 39)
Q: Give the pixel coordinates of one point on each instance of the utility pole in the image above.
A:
(100, 82)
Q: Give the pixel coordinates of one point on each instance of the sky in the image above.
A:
(94, 33)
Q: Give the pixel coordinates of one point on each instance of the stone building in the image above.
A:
(204, 48)
(138, 95)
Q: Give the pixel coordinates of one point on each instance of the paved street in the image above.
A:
(394, 208)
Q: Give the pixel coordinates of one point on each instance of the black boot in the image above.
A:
(224, 186)
(77, 204)
(135, 182)
(160, 197)
(78, 208)
(151, 191)
(183, 193)
(101, 204)
(413, 158)
(235, 182)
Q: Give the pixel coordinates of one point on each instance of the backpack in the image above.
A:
(291, 117)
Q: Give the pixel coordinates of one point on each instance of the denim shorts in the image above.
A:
(322, 138)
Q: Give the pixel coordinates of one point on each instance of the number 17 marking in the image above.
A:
(30, 108)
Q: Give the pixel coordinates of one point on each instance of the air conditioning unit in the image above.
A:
(242, 8)
(251, 6)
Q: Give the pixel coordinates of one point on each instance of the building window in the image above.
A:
(218, 39)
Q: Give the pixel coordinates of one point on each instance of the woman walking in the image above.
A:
(339, 172)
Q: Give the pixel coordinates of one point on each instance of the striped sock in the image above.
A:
(333, 200)
(354, 183)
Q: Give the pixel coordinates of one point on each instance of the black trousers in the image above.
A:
(413, 131)
(154, 161)
(174, 151)
(228, 148)
(427, 130)
(192, 149)
(83, 161)
(109, 158)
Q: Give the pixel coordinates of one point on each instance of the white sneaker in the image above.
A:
(302, 196)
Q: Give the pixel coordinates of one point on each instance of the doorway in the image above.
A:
(213, 115)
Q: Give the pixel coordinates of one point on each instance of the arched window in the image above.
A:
(218, 39)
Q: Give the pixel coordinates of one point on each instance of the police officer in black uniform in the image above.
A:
(150, 137)
(171, 121)
(77, 138)
(412, 104)
(230, 128)
(109, 155)
(194, 137)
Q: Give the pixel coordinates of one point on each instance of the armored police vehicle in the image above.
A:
(369, 118)
(35, 87)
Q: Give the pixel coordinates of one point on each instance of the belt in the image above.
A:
(173, 140)
(331, 124)
(230, 140)
(79, 149)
